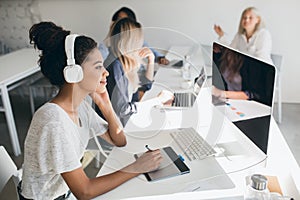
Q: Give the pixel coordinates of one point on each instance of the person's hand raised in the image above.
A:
(218, 30)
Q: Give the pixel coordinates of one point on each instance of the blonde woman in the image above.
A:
(125, 12)
(126, 53)
(252, 36)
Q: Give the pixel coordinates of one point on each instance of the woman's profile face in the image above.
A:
(94, 73)
(250, 20)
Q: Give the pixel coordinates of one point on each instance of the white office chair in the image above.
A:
(8, 169)
(277, 60)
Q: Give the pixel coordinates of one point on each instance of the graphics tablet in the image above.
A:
(171, 166)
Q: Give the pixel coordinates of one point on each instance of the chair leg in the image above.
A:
(31, 99)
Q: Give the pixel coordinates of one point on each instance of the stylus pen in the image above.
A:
(147, 147)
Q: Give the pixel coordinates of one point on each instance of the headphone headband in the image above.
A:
(69, 48)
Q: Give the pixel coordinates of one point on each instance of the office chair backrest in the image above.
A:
(7, 168)
(277, 60)
(207, 48)
(207, 54)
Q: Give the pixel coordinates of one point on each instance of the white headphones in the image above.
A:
(73, 73)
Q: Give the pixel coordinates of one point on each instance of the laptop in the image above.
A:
(257, 80)
(187, 99)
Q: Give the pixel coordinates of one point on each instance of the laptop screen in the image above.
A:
(199, 81)
(243, 88)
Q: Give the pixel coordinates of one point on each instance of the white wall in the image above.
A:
(16, 18)
(194, 18)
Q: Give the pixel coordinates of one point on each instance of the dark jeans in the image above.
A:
(62, 197)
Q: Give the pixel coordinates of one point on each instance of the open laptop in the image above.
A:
(251, 116)
(187, 99)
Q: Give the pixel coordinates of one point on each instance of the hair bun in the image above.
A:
(47, 36)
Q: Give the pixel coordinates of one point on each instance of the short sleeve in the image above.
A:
(57, 149)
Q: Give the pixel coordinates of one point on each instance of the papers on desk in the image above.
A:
(237, 110)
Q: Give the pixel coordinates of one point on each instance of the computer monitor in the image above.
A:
(243, 88)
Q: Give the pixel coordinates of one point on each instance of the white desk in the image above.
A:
(202, 115)
(237, 110)
(174, 188)
(14, 67)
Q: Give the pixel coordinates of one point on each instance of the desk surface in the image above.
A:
(138, 187)
(237, 110)
(18, 64)
(174, 188)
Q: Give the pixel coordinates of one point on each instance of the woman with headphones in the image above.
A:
(60, 129)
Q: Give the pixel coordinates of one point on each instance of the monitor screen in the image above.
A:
(243, 87)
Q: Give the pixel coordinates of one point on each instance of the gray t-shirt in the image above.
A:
(55, 144)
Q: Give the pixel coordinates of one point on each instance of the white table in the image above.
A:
(138, 188)
(237, 110)
(14, 67)
(203, 113)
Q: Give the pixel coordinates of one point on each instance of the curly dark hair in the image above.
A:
(50, 39)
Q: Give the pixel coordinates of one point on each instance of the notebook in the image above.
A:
(171, 165)
(187, 99)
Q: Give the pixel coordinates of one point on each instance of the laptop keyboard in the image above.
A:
(183, 99)
(192, 144)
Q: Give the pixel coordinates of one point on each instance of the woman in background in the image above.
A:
(125, 12)
(252, 36)
(126, 53)
(59, 131)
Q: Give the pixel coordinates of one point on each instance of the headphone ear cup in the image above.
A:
(73, 73)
